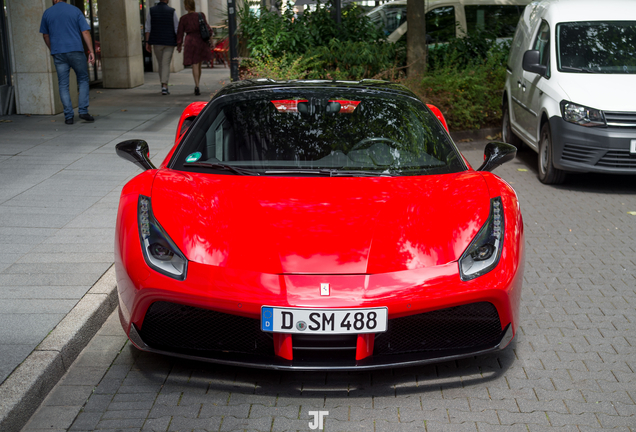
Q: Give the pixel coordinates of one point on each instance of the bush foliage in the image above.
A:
(464, 78)
(312, 46)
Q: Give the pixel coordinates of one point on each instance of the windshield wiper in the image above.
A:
(222, 166)
(331, 172)
(575, 69)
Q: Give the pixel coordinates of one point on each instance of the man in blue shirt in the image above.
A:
(63, 27)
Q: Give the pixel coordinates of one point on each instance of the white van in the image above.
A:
(570, 92)
(446, 19)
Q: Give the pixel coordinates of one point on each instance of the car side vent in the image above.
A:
(578, 154)
(191, 330)
(618, 159)
(474, 325)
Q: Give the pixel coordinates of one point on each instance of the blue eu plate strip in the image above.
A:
(267, 319)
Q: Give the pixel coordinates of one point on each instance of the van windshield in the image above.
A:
(597, 47)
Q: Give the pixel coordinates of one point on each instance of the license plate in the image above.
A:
(323, 321)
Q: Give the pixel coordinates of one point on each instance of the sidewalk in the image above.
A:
(59, 191)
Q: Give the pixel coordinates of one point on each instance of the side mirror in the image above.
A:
(135, 151)
(497, 153)
(531, 63)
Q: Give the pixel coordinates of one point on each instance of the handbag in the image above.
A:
(203, 28)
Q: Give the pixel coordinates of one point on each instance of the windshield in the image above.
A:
(318, 132)
(597, 47)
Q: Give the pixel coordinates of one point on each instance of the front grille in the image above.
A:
(191, 330)
(621, 119)
(474, 326)
(618, 159)
(578, 154)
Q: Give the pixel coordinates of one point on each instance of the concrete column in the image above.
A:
(122, 59)
(34, 72)
(217, 11)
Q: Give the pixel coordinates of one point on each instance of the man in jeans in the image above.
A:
(63, 26)
(161, 33)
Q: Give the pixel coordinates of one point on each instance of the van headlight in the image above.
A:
(582, 115)
(160, 252)
(483, 253)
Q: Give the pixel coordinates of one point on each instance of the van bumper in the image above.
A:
(592, 149)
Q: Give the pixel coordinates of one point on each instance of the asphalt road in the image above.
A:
(571, 367)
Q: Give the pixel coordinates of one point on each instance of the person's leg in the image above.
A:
(62, 67)
(158, 50)
(167, 59)
(77, 60)
(196, 73)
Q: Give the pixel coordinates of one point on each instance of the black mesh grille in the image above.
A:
(473, 326)
(186, 329)
(618, 159)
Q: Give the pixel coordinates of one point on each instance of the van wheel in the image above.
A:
(548, 174)
(507, 135)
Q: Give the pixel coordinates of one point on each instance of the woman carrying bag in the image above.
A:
(197, 49)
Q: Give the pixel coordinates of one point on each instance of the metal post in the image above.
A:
(4, 39)
(338, 10)
(231, 24)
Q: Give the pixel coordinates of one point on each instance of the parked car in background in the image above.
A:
(446, 19)
(570, 93)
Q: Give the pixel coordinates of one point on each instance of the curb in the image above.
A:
(474, 135)
(24, 390)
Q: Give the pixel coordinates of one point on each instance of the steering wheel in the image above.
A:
(369, 141)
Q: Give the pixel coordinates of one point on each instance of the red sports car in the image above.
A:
(318, 225)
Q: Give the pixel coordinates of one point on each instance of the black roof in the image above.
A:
(266, 83)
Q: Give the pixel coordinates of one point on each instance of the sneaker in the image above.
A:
(197, 92)
(87, 117)
(68, 120)
(164, 91)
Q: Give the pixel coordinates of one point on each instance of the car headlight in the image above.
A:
(160, 252)
(581, 115)
(483, 253)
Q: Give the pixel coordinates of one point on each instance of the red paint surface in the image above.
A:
(254, 241)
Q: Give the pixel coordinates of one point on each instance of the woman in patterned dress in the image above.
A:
(196, 49)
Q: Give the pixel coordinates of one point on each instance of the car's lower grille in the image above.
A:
(578, 154)
(186, 329)
(205, 333)
(617, 159)
(621, 119)
(473, 325)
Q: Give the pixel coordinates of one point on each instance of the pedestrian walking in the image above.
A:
(196, 49)
(63, 26)
(161, 37)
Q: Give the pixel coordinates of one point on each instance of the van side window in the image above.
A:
(542, 44)
(440, 24)
(482, 17)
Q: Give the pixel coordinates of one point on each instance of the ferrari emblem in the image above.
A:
(324, 289)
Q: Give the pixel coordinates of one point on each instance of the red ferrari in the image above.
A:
(318, 225)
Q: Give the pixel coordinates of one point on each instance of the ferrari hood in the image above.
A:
(320, 225)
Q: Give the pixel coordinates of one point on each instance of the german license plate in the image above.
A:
(323, 321)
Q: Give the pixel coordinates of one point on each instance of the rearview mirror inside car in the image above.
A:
(531, 63)
(497, 153)
(135, 151)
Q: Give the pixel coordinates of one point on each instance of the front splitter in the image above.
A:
(369, 363)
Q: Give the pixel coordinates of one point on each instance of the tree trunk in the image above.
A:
(415, 37)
